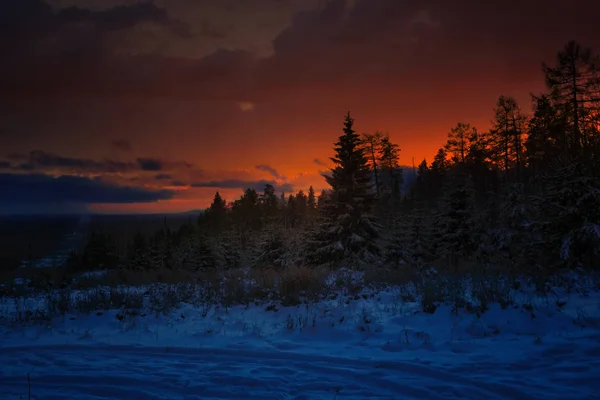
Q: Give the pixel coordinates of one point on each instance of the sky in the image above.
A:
(126, 106)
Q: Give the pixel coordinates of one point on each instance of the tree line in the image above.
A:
(521, 197)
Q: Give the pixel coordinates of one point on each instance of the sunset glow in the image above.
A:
(181, 99)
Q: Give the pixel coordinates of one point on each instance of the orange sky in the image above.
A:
(212, 91)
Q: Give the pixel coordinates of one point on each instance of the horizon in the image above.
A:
(150, 108)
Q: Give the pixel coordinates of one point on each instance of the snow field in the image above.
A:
(376, 344)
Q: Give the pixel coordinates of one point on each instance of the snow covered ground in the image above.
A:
(378, 346)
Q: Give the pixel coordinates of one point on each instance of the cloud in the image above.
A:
(319, 162)
(258, 185)
(325, 173)
(123, 145)
(17, 156)
(40, 189)
(178, 183)
(4, 165)
(123, 17)
(313, 50)
(270, 170)
(163, 177)
(150, 164)
(360, 42)
(78, 44)
(39, 160)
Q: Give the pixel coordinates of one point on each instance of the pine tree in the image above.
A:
(547, 135)
(100, 252)
(271, 250)
(410, 240)
(321, 200)
(195, 254)
(269, 203)
(459, 140)
(437, 174)
(347, 230)
(372, 148)
(420, 187)
(301, 205)
(227, 250)
(392, 175)
(311, 200)
(137, 254)
(160, 250)
(246, 214)
(216, 215)
(573, 85)
(455, 228)
(506, 137)
(568, 214)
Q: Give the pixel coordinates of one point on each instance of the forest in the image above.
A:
(522, 198)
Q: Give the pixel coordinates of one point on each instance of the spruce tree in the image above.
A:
(455, 228)
(410, 242)
(347, 231)
(573, 84)
(311, 200)
(506, 137)
(372, 148)
(568, 215)
(271, 250)
(459, 140)
(216, 215)
(392, 177)
(547, 135)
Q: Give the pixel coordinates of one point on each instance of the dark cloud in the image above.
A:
(4, 165)
(17, 156)
(162, 177)
(242, 184)
(270, 170)
(40, 160)
(123, 17)
(150, 164)
(26, 24)
(178, 183)
(319, 162)
(123, 145)
(373, 43)
(75, 46)
(325, 173)
(37, 188)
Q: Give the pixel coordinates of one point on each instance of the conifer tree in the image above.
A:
(301, 205)
(506, 138)
(216, 215)
(347, 230)
(392, 174)
(547, 135)
(568, 219)
(269, 203)
(137, 254)
(195, 253)
(321, 200)
(100, 252)
(459, 140)
(372, 148)
(311, 200)
(573, 84)
(455, 228)
(410, 243)
(271, 250)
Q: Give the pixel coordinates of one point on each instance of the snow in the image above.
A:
(375, 345)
